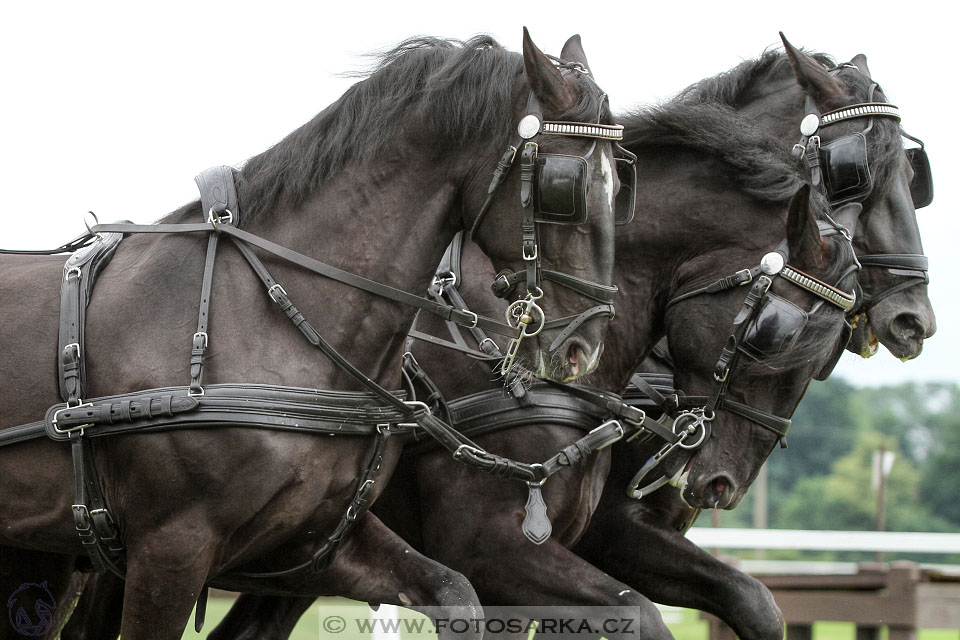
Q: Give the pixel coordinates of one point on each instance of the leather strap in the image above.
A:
(463, 318)
(79, 274)
(201, 338)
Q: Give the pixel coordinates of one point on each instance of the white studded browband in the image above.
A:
(859, 111)
(831, 294)
(601, 131)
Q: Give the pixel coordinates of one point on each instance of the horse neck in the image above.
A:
(390, 227)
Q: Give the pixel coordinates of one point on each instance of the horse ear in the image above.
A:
(803, 234)
(545, 80)
(860, 61)
(573, 51)
(828, 92)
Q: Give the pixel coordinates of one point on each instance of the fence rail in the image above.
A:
(886, 541)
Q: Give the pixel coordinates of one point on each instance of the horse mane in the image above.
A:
(463, 91)
(763, 168)
(703, 117)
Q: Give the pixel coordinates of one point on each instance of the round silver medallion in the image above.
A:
(529, 126)
(771, 263)
(809, 124)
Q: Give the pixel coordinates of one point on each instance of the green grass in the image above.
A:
(684, 623)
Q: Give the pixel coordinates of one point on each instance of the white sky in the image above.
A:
(115, 106)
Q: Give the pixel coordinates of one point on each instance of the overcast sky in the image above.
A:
(110, 107)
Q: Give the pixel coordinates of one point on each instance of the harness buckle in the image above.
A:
(413, 404)
(73, 271)
(618, 428)
(476, 319)
(276, 287)
(458, 453)
(219, 218)
(204, 336)
(81, 516)
(746, 275)
(69, 430)
(530, 257)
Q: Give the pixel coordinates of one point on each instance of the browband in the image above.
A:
(599, 131)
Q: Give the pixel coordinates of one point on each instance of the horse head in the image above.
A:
(856, 138)
(557, 272)
(747, 358)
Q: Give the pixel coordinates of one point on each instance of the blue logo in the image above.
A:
(30, 609)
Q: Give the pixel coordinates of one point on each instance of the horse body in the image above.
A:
(192, 504)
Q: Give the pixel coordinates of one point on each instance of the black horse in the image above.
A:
(665, 566)
(713, 188)
(376, 185)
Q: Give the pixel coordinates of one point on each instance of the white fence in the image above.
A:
(885, 541)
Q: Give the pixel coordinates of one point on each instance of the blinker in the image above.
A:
(846, 172)
(921, 187)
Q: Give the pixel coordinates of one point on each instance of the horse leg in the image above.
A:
(657, 560)
(374, 565)
(254, 617)
(550, 575)
(166, 571)
(98, 611)
(28, 578)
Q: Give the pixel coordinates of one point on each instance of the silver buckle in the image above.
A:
(69, 430)
(606, 424)
(220, 218)
(276, 287)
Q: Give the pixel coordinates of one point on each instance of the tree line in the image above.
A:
(823, 480)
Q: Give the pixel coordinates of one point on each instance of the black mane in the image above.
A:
(764, 169)
(463, 89)
(702, 117)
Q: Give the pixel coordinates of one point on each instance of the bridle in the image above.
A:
(840, 170)
(762, 311)
(553, 190)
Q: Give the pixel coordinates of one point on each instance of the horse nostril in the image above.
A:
(907, 327)
(719, 486)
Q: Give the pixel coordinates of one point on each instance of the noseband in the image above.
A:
(840, 170)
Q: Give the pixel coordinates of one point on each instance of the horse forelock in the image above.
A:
(462, 91)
